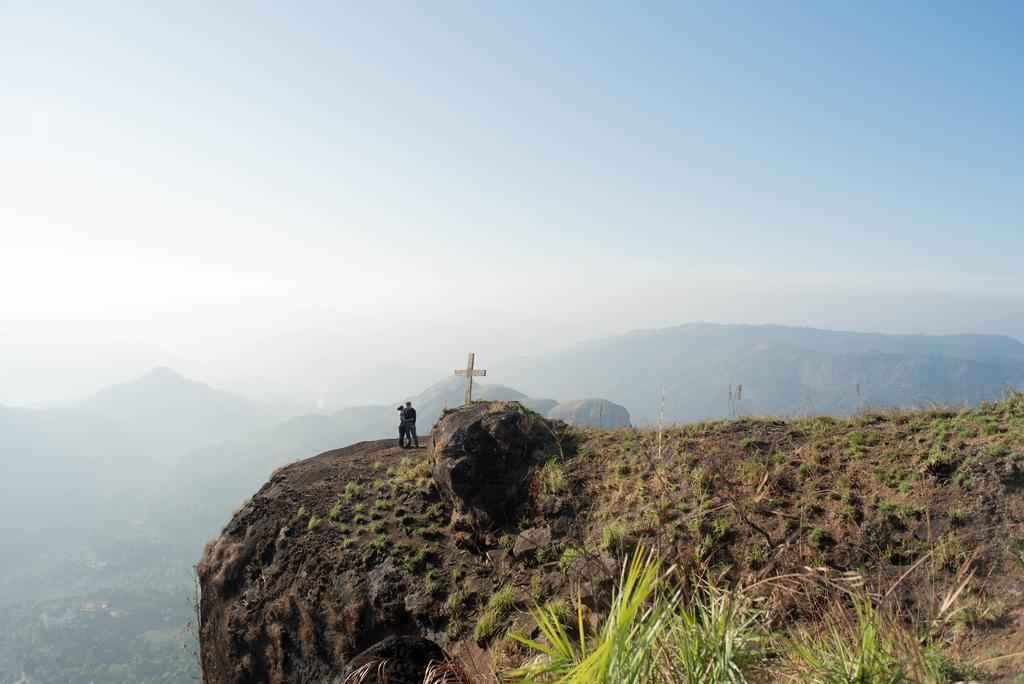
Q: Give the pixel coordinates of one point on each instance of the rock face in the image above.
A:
(396, 660)
(599, 413)
(285, 598)
(483, 454)
(330, 560)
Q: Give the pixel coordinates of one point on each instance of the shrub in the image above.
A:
(651, 634)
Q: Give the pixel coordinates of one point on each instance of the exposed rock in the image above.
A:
(396, 660)
(532, 540)
(483, 453)
(419, 603)
(591, 413)
(1012, 474)
(500, 560)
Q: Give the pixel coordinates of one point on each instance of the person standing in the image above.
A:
(409, 418)
(401, 428)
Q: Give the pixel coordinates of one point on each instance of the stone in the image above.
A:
(395, 660)
(419, 603)
(532, 540)
(483, 454)
(499, 560)
(1012, 474)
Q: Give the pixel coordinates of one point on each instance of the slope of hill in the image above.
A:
(784, 371)
(925, 508)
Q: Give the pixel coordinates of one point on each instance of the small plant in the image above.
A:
(414, 559)
(957, 516)
(380, 545)
(949, 554)
(301, 513)
(850, 513)
(615, 537)
(334, 512)
(431, 531)
(431, 584)
(497, 608)
(435, 512)
(352, 491)
(1015, 545)
(569, 554)
(720, 528)
(818, 537)
(550, 479)
(377, 526)
(313, 523)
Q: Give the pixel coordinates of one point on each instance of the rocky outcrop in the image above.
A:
(348, 557)
(482, 455)
(599, 413)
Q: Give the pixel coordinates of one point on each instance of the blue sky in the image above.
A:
(175, 176)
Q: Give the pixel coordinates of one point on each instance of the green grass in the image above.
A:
(1015, 545)
(550, 479)
(494, 613)
(651, 634)
(656, 633)
(866, 647)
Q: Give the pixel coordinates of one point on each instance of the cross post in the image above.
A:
(469, 372)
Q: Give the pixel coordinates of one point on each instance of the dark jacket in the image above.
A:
(409, 415)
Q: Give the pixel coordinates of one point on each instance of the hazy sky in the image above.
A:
(307, 190)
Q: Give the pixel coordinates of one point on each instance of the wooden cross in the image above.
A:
(469, 373)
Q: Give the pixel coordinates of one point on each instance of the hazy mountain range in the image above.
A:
(783, 370)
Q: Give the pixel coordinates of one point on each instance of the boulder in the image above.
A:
(482, 456)
(532, 540)
(395, 660)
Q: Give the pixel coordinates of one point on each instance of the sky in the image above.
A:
(302, 193)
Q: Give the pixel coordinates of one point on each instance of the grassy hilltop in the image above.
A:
(884, 547)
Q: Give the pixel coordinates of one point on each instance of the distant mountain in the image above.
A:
(591, 413)
(171, 414)
(783, 370)
(65, 464)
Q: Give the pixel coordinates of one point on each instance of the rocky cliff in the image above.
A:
(449, 547)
